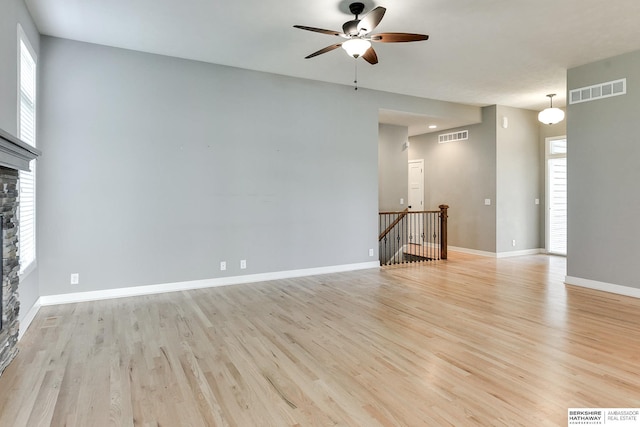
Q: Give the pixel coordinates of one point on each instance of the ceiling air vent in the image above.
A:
(454, 136)
(599, 91)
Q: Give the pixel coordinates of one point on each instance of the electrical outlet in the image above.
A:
(223, 265)
(75, 278)
(243, 264)
(370, 252)
(513, 242)
(487, 202)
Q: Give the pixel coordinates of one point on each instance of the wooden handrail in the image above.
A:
(394, 223)
(405, 211)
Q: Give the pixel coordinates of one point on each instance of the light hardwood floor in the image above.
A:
(468, 341)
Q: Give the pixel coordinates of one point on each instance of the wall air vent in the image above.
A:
(454, 136)
(599, 91)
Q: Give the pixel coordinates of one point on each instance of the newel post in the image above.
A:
(443, 231)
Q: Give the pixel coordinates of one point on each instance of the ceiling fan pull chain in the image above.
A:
(356, 78)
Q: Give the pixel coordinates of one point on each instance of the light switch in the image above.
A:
(487, 202)
(537, 201)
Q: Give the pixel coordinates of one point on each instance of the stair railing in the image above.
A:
(400, 217)
(412, 236)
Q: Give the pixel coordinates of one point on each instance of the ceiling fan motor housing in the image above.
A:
(350, 28)
(356, 8)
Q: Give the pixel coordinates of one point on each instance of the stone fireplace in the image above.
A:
(15, 155)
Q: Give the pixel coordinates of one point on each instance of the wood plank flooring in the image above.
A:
(467, 341)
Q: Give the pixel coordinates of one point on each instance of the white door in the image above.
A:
(556, 218)
(415, 224)
(416, 185)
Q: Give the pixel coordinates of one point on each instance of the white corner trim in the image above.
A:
(603, 286)
(25, 322)
(519, 253)
(198, 284)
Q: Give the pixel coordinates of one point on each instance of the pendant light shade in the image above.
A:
(356, 47)
(551, 115)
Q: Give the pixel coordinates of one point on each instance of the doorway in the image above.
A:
(556, 191)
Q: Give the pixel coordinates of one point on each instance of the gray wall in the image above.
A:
(158, 168)
(155, 169)
(393, 169)
(603, 176)
(13, 12)
(518, 180)
(462, 174)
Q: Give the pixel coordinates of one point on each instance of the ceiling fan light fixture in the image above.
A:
(358, 34)
(356, 47)
(551, 115)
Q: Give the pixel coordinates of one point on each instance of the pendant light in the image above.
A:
(551, 115)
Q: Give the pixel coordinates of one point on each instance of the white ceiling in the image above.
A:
(506, 52)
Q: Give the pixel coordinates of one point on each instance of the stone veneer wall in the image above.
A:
(10, 266)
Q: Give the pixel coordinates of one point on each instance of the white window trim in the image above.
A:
(22, 38)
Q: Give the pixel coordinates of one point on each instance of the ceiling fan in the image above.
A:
(359, 37)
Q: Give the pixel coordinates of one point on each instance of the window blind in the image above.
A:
(27, 133)
(557, 170)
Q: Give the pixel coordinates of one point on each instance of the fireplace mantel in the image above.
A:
(15, 153)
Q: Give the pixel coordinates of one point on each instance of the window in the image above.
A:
(558, 146)
(27, 133)
(556, 216)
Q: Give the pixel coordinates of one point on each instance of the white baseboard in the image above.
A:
(603, 286)
(25, 322)
(519, 253)
(198, 284)
(471, 251)
(497, 255)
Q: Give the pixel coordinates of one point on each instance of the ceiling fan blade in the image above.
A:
(320, 30)
(325, 50)
(371, 20)
(398, 37)
(370, 56)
